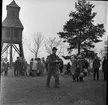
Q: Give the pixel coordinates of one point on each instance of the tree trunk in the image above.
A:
(36, 55)
(11, 60)
(89, 62)
(79, 44)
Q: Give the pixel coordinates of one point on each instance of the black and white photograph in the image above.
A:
(54, 52)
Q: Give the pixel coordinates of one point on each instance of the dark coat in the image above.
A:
(52, 61)
(80, 64)
(17, 64)
(86, 64)
(104, 65)
(96, 63)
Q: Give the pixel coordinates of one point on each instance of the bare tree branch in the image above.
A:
(37, 43)
(50, 43)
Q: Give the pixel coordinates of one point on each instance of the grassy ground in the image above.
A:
(32, 91)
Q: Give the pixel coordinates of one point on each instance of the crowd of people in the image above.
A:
(37, 67)
(79, 67)
(53, 64)
(40, 66)
(20, 67)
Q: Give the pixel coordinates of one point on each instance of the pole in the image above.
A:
(12, 33)
(11, 55)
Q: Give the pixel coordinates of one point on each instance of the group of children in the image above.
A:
(37, 67)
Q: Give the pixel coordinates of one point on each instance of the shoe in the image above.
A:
(48, 86)
(73, 77)
(82, 80)
(57, 86)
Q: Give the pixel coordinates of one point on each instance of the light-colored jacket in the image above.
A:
(34, 66)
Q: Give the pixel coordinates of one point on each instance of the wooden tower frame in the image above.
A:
(12, 31)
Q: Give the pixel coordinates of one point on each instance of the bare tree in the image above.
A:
(102, 53)
(24, 41)
(53, 42)
(36, 45)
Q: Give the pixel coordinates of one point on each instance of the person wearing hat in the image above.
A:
(96, 66)
(53, 61)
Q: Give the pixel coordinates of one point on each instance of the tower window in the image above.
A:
(8, 32)
(16, 33)
(13, 14)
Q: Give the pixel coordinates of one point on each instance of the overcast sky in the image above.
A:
(49, 16)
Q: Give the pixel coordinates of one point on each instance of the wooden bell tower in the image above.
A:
(12, 30)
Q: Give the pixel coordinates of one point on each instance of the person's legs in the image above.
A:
(15, 72)
(68, 71)
(80, 78)
(97, 70)
(49, 77)
(23, 72)
(6, 72)
(94, 75)
(19, 71)
(35, 73)
(61, 70)
(76, 75)
(46, 69)
(105, 77)
(88, 71)
(73, 76)
(73, 73)
(31, 72)
(55, 74)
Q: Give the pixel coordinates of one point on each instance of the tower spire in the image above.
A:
(13, 4)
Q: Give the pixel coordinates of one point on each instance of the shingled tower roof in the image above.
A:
(10, 21)
(13, 4)
(16, 23)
